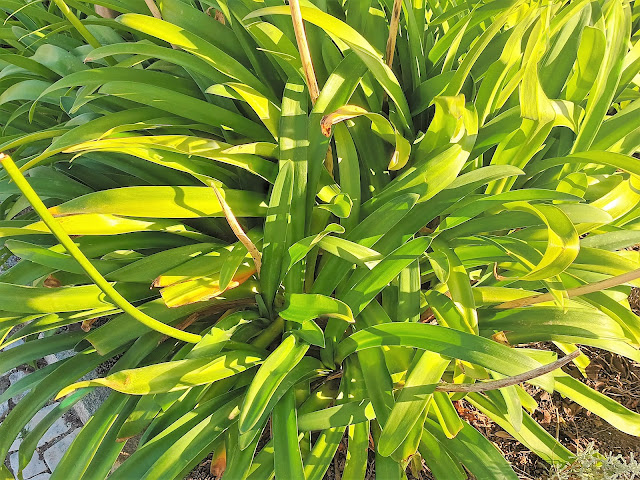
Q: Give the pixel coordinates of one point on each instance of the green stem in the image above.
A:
(269, 334)
(75, 21)
(75, 252)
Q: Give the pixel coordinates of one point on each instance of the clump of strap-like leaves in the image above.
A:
(293, 250)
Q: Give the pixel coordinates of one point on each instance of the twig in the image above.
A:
(238, 231)
(574, 292)
(153, 8)
(509, 381)
(393, 31)
(303, 47)
(105, 12)
(496, 275)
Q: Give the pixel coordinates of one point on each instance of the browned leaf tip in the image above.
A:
(87, 324)
(52, 282)
(325, 126)
(501, 337)
(218, 463)
(220, 17)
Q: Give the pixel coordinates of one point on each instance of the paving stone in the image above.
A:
(11, 261)
(13, 378)
(54, 453)
(42, 476)
(40, 415)
(16, 443)
(16, 375)
(35, 466)
(31, 425)
(13, 345)
(59, 427)
(4, 408)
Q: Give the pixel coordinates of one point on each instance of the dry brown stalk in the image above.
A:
(508, 381)
(393, 31)
(574, 292)
(303, 48)
(238, 231)
(153, 8)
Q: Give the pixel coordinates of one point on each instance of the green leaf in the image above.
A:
(444, 341)
(272, 372)
(160, 202)
(300, 308)
(276, 226)
(349, 413)
(286, 447)
(172, 376)
(530, 434)
(479, 455)
(362, 292)
(563, 241)
(17, 298)
(367, 53)
(609, 410)
(147, 147)
(617, 32)
(412, 400)
(380, 125)
(194, 44)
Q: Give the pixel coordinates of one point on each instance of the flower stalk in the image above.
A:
(56, 229)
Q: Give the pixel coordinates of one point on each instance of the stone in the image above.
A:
(35, 466)
(4, 408)
(42, 476)
(54, 453)
(11, 261)
(31, 425)
(16, 375)
(37, 418)
(13, 378)
(58, 428)
(13, 345)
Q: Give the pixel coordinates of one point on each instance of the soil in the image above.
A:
(608, 373)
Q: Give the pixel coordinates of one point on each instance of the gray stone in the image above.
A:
(11, 261)
(31, 425)
(58, 428)
(42, 476)
(15, 344)
(37, 418)
(16, 443)
(54, 453)
(4, 408)
(16, 375)
(34, 467)
(13, 378)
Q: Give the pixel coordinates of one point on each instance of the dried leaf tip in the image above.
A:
(238, 231)
(2, 156)
(393, 31)
(325, 126)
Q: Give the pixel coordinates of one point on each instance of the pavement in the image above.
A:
(53, 444)
(57, 439)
